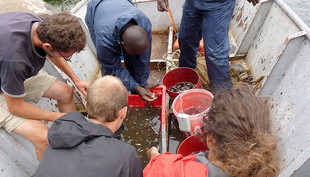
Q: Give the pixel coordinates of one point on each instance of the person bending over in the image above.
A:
(117, 29)
(238, 135)
(26, 40)
(84, 147)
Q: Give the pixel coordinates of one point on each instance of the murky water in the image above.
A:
(175, 136)
(143, 129)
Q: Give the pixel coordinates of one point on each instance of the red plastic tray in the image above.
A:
(160, 92)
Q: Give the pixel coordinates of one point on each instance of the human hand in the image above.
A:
(145, 93)
(254, 2)
(81, 85)
(152, 152)
(162, 5)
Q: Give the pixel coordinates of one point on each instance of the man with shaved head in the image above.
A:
(118, 29)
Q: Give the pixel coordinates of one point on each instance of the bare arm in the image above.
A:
(18, 107)
(64, 66)
(162, 5)
(152, 152)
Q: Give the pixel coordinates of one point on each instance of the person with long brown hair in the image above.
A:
(238, 135)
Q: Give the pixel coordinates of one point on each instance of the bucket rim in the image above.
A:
(174, 70)
(196, 136)
(193, 90)
(181, 68)
(199, 115)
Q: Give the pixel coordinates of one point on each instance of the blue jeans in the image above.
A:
(210, 20)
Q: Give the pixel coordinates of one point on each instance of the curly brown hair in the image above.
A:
(239, 122)
(63, 31)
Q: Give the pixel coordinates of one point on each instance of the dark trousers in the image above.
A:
(210, 20)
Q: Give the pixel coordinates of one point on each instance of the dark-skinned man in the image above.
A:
(118, 29)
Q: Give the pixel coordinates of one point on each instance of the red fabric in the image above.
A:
(174, 165)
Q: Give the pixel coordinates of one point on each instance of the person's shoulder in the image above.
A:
(213, 170)
(143, 21)
(71, 115)
(132, 164)
(16, 13)
(22, 14)
(125, 148)
(125, 145)
(126, 152)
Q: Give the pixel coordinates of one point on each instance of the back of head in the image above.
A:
(135, 40)
(105, 97)
(240, 124)
(63, 31)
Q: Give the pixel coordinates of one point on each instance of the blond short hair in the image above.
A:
(105, 97)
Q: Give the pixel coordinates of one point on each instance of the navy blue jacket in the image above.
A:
(82, 148)
(106, 21)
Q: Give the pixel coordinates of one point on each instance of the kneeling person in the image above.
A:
(81, 146)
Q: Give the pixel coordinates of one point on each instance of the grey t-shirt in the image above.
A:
(19, 59)
(213, 170)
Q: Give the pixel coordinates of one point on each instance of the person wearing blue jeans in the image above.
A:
(210, 20)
